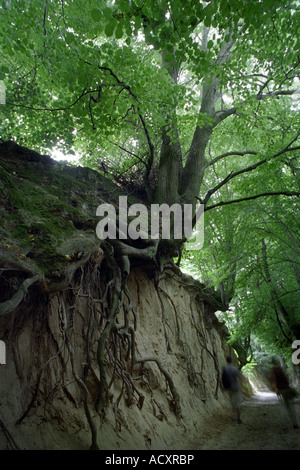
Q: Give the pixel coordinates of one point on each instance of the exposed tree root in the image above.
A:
(11, 304)
(176, 398)
(9, 436)
(202, 342)
(109, 335)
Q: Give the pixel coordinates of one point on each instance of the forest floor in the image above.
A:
(261, 427)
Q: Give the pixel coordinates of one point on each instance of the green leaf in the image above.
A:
(165, 33)
(119, 31)
(207, 21)
(4, 69)
(169, 57)
(109, 29)
(107, 12)
(96, 15)
(69, 37)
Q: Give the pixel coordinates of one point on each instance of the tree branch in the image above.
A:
(270, 193)
(45, 108)
(223, 114)
(127, 87)
(227, 154)
(128, 151)
(249, 168)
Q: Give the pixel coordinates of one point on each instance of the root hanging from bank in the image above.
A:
(11, 304)
(9, 436)
(110, 353)
(124, 337)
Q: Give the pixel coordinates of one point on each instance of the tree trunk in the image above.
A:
(169, 170)
(193, 172)
(173, 183)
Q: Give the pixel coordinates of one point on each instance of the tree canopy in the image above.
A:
(180, 101)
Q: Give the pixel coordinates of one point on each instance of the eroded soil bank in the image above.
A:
(105, 348)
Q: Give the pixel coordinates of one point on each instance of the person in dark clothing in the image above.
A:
(233, 388)
(280, 383)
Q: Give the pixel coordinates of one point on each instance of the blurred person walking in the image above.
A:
(286, 395)
(230, 380)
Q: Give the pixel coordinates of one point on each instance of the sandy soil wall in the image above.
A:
(37, 382)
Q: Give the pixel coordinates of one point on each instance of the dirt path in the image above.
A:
(261, 428)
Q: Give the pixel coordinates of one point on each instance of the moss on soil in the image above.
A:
(44, 203)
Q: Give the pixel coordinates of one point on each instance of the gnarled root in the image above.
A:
(176, 399)
(16, 299)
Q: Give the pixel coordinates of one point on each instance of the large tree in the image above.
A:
(182, 101)
(179, 100)
(153, 80)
